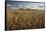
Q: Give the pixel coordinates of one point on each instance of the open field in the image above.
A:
(25, 19)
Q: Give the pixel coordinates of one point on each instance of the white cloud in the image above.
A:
(9, 5)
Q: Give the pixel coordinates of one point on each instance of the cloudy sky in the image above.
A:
(21, 4)
(26, 0)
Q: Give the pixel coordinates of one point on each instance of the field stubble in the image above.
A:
(28, 19)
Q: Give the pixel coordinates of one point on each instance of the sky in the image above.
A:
(22, 4)
(26, 0)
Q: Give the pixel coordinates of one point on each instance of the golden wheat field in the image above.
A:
(25, 19)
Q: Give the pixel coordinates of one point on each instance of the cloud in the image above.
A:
(9, 5)
(25, 5)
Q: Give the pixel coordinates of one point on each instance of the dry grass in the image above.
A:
(25, 19)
